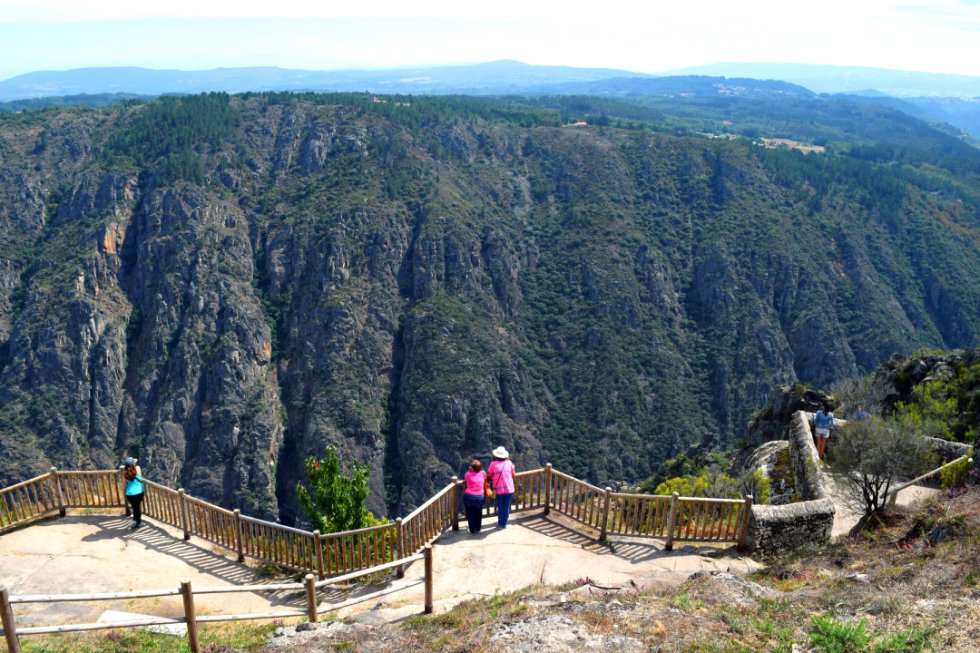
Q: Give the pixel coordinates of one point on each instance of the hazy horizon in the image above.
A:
(56, 35)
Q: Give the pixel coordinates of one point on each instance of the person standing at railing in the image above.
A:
(134, 489)
(502, 480)
(823, 421)
(474, 498)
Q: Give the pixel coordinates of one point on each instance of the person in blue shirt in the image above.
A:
(823, 420)
(134, 489)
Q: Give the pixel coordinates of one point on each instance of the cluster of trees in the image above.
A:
(171, 134)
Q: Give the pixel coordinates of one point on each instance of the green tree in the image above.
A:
(875, 455)
(337, 502)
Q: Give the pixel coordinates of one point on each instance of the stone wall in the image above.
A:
(947, 450)
(806, 524)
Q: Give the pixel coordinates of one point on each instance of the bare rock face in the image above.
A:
(554, 633)
(773, 421)
(223, 287)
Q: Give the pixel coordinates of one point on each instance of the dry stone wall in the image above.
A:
(808, 523)
(947, 450)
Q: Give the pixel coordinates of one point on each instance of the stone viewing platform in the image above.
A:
(100, 553)
(565, 531)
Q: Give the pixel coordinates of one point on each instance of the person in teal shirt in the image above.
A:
(134, 489)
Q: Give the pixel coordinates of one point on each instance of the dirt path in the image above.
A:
(846, 516)
(100, 553)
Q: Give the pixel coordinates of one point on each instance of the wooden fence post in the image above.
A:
(239, 536)
(122, 490)
(547, 489)
(191, 617)
(59, 496)
(743, 527)
(605, 514)
(9, 625)
(428, 578)
(455, 503)
(400, 572)
(318, 546)
(183, 513)
(311, 598)
(671, 522)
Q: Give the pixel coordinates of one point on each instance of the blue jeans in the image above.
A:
(503, 509)
(474, 504)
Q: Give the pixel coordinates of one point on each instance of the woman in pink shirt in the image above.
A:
(473, 498)
(501, 472)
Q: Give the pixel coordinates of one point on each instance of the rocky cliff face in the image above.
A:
(224, 286)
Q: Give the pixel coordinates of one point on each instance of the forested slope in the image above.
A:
(224, 285)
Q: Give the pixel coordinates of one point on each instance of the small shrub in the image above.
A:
(267, 570)
(913, 640)
(955, 476)
(832, 636)
(886, 604)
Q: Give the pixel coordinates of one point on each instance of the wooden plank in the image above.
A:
(701, 520)
(5, 517)
(190, 616)
(333, 607)
(98, 596)
(9, 622)
(108, 625)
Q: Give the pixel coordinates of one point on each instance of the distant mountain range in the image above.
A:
(847, 79)
(954, 99)
(497, 77)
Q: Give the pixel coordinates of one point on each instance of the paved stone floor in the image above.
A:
(87, 553)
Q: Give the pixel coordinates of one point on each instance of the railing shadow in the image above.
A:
(632, 549)
(205, 560)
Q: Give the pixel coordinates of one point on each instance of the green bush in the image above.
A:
(913, 640)
(955, 475)
(831, 636)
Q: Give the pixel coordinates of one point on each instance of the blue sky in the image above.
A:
(940, 36)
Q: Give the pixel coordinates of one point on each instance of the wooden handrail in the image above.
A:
(438, 495)
(893, 493)
(263, 522)
(586, 484)
(17, 486)
(11, 632)
(266, 540)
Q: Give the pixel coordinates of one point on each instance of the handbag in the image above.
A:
(487, 490)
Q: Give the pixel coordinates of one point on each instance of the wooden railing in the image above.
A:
(530, 491)
(163, 504)
(431, 519)
(711, 520)
(352, 550)
(893, 493)
(329, 554)
(28, 500)
(91, 489)
(578, 500)
(644, 515)
(12, 633)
